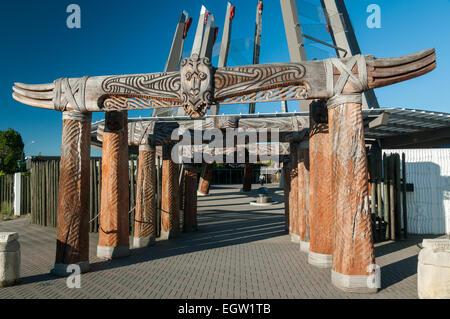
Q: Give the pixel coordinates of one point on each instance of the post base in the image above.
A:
(304, 246)
(190, 229)
(169, 234)
(141, 242)
(352, 283)
(111, 252)
(295, 238)
(201, 194)
(320, 260)
(61, 269)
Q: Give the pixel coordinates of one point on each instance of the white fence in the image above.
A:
(429, 205)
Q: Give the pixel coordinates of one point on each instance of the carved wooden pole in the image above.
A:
(353, 255)
(205, 179)
(190, 198)
(170, 204)
(248, 176)
(286, 187)
(303, 194)
(293, 196)
(72, 246)
(114, 220)
(145, 216)
(321, 214)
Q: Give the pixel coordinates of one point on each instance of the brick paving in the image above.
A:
(240, 251)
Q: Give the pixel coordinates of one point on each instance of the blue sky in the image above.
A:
(134, 36)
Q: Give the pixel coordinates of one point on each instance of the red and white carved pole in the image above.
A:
(72, 246)
(205, 179)
(303, 194)
(145, 215)
(190, 198)
(170, 203)
(321, 214)
(294, 230)
(114, 218)
(286, 188)
(353, 267)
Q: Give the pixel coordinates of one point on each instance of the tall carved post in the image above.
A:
(293, 195)
(353, 255)
(321, 214)
(114, 220)
(248, 176)
(303, 194)
(286, 187)
(145, 216)
(170, 203)
(190, 198)
(205, 179)
(72, 246)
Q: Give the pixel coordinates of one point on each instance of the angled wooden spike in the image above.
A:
(176, 53)
(225, 46)
(257, 43)
(294, 36)
(202, 21)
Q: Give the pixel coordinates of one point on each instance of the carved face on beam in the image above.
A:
(196, 88)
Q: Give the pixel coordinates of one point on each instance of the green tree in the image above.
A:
(11, 151)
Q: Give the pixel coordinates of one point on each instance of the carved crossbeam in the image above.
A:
(199, 85)
(157, 133)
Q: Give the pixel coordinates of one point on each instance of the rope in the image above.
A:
(77, 116)
(360, 82)
(61, 100)
(101, 212)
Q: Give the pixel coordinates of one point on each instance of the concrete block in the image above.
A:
(9, 259)
(433, 270)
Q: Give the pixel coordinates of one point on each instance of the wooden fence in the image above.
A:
(44, 192)
(7, 194)
(388, 187)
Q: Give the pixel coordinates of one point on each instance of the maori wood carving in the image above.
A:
(192, 88)
(196, 89)
(73, 203)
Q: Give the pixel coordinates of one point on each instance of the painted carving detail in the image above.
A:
(155, 85)
(196, 85)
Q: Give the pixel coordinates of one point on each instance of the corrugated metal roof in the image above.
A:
(402, 121)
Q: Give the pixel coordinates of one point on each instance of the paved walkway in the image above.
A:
(240, 251)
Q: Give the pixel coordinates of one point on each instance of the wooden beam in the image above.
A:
(232, 85)
(72, 229)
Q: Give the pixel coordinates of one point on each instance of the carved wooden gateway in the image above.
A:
(337, 142)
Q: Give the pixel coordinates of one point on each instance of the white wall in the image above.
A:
(429, 205)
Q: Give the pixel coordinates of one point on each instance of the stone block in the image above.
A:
(433, 270)
(9, 259)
